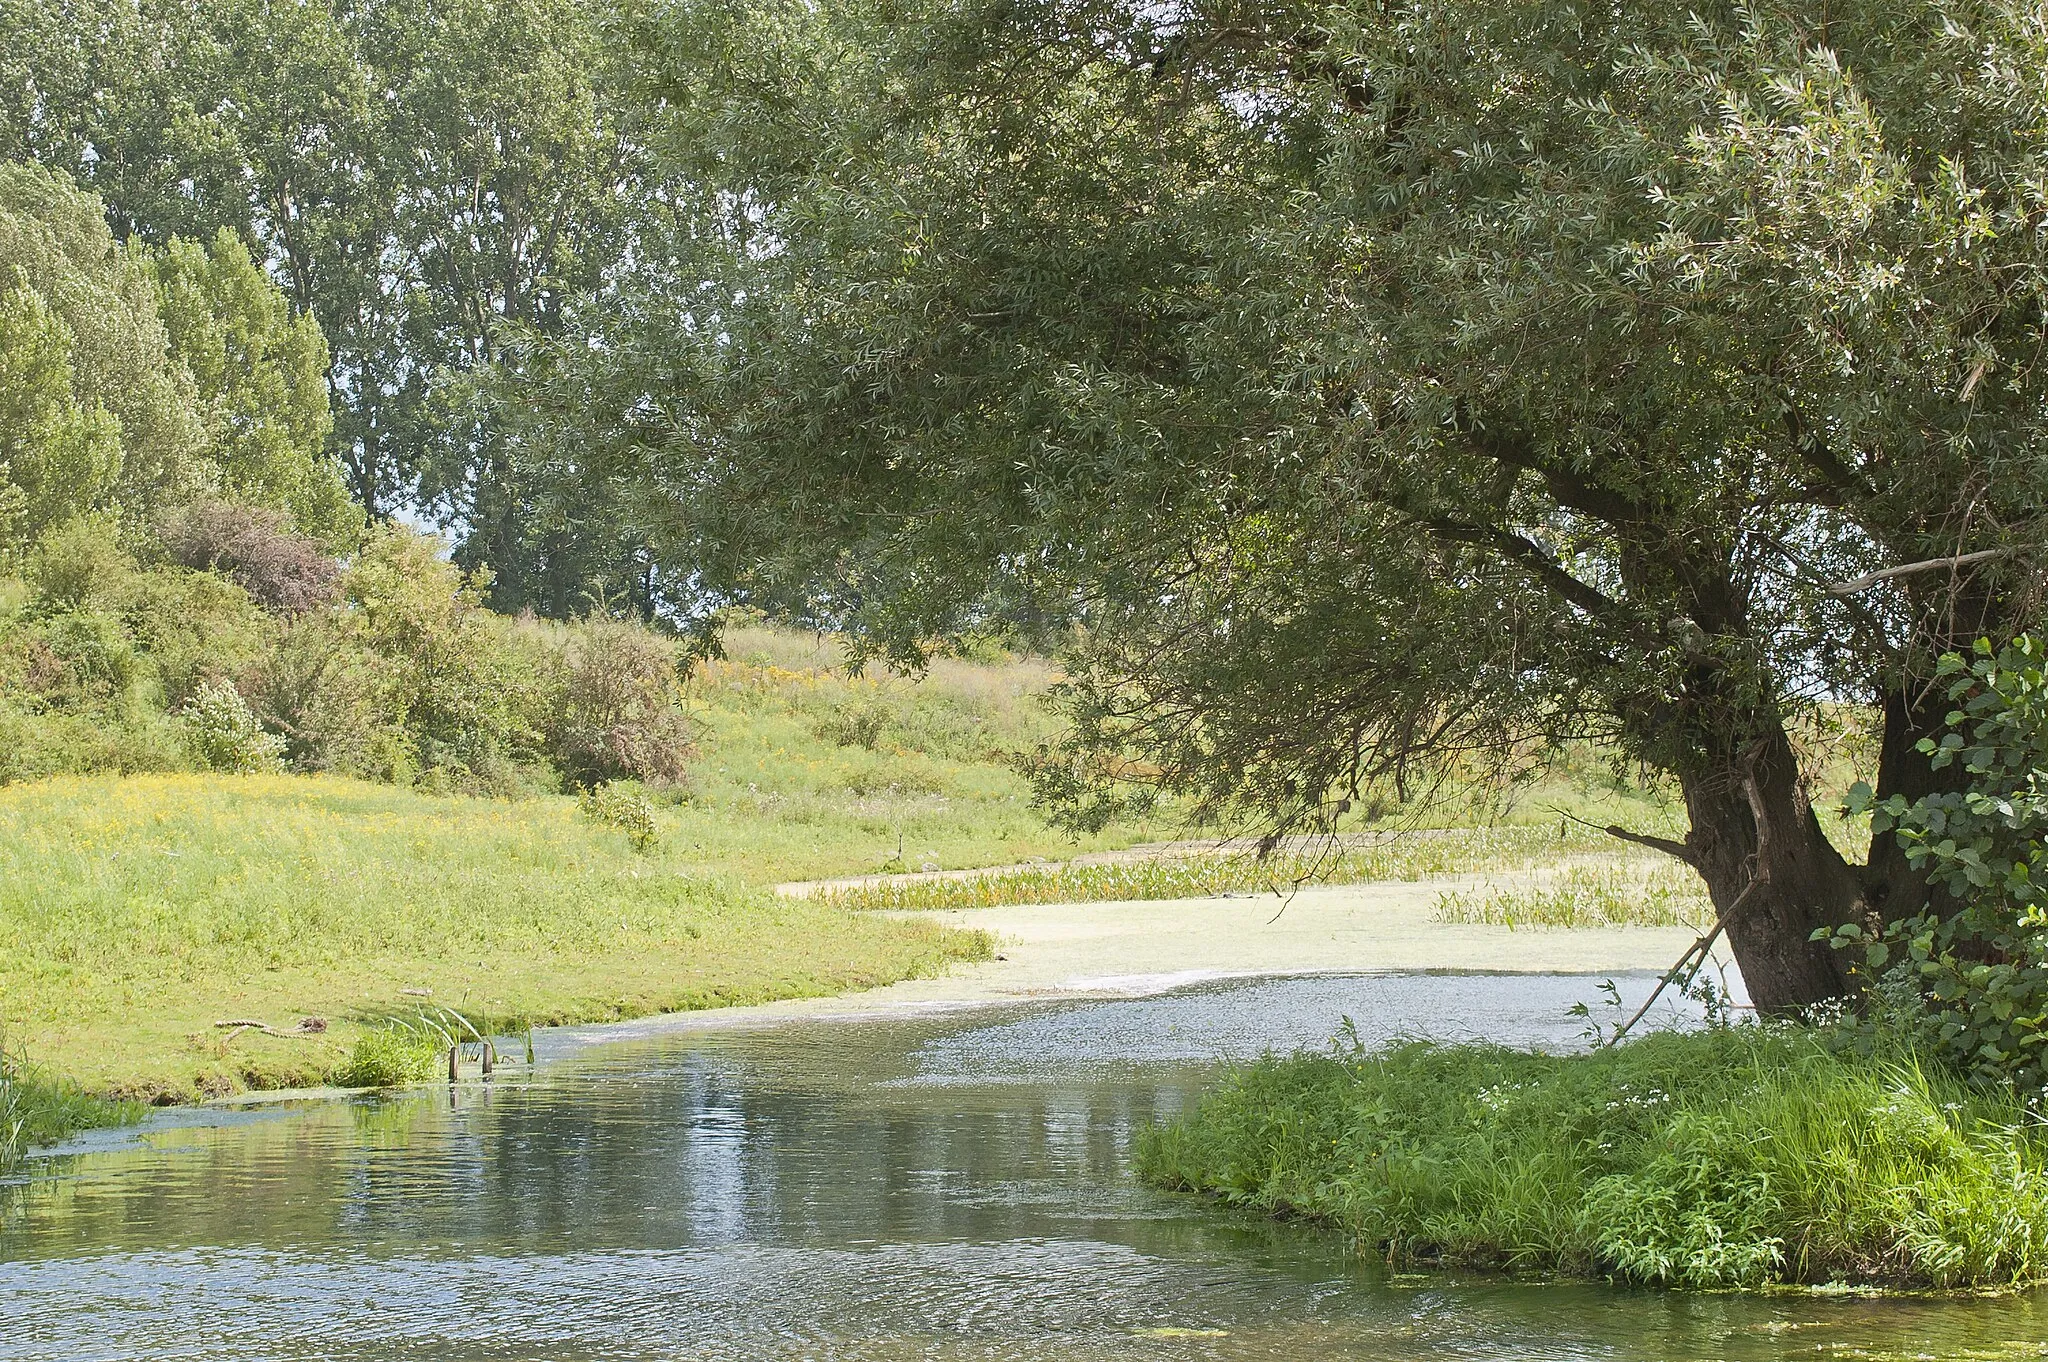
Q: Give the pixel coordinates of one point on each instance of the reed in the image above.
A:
(1605, 893)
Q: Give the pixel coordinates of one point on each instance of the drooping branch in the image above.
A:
(1870, 579)
(1540, 564)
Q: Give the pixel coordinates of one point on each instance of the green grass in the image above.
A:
(1743, 1158)
(807, 773)
(135, 913)
(1420, 855)
(37, 1108)
(1614, 892)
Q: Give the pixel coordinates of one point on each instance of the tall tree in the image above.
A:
(134, 381)
(1376, 385)
(423, 179)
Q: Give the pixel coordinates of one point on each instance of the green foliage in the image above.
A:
(134, 381)
(1372, 392)
(98, 324)
(441, 667)
(626, 808)
(260, 379)
(225, 734)
(1736, 1157)
(58, 459)
(37, 1108)
(1970, 971)
(255, 644)
(428, 181)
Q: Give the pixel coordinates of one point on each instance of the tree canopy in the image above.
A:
(423, 180)
(136, 381)
(1370, 385)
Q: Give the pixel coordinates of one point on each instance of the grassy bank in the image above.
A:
(1728, 1158)
(136, 913)
(37, 1107)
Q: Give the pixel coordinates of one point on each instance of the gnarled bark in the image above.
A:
(1751, 820)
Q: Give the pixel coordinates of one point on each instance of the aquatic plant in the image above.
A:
(1608, 893)
(1737, 1157)
(37, 1108)
(1418, 855)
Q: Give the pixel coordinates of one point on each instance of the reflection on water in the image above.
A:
(950, 1187)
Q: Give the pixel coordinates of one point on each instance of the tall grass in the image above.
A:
(1405, 857)
(37, 1108)
(1715, 1159)
(1606, 893)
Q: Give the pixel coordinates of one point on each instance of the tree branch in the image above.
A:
(1538, 561)
(1870, 579)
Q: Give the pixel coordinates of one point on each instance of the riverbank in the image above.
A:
(1744, 1157)
(139, 914)
(1112, 950)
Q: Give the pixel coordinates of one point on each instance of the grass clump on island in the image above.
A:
(137, 913)
(1397, 857)
(1737, 1157)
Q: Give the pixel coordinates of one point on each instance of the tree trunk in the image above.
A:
(1751, 820)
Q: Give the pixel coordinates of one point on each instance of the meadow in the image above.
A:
(139, 910)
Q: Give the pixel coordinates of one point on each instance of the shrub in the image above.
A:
(1973, 971)
(257, 549)
(77, 659)
(443, 669)
(225, 734)
(627, 808)
(79, 565)
(619, 713)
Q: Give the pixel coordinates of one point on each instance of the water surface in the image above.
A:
(945, 1186)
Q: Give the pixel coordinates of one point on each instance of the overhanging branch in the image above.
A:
(1870, 579)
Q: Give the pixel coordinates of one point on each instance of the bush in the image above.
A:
(627, 808)
(1738, 1157)
(452, 676)
(225, 734)
(257, 549)
(1970, 975)
(619, 714)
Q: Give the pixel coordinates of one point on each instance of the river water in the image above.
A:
(951, 1185)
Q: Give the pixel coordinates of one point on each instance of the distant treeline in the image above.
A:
(427, 182)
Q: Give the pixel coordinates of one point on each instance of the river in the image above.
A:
(942, 1184)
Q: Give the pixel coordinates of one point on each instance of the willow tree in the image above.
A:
(1371, 386)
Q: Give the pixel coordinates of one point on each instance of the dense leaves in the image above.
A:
(1974, 979)
(424, 180)
(1367, 388)
(133, 382)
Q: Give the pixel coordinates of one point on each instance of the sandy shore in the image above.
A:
(1107, 949)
